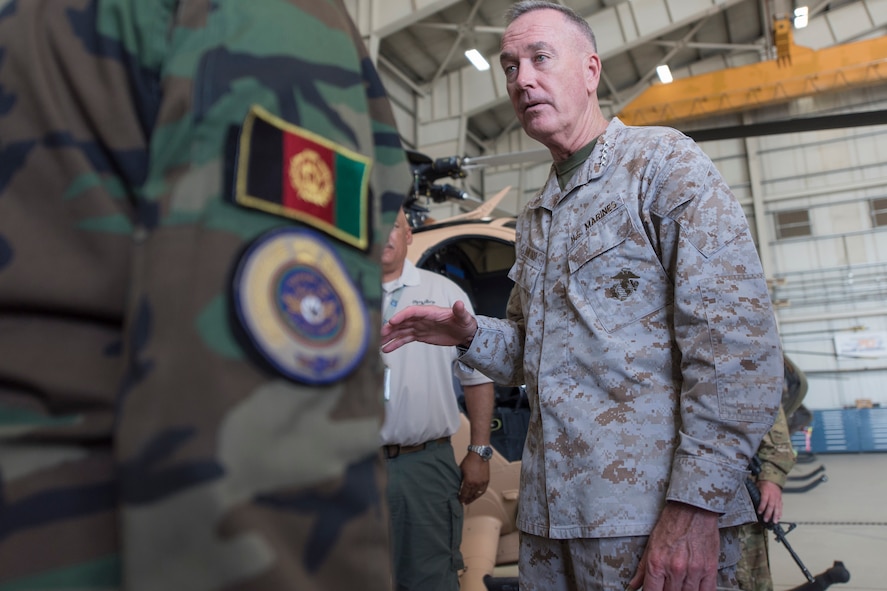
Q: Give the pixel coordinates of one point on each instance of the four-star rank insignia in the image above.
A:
(292, 172)
(299, 307)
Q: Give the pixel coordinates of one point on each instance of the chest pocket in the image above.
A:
(525, 271)
(614, 270)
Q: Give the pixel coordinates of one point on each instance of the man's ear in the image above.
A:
(593, 72)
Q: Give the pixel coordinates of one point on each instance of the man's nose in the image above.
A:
(526, 77)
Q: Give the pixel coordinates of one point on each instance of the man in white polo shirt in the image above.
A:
(426, 488)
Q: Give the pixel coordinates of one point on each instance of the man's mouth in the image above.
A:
(531, 105)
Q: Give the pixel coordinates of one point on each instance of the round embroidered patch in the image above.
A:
(299, 307)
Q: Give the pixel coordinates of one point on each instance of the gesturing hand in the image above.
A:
(429, 324)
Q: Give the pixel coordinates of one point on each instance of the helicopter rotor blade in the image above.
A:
(526, 157)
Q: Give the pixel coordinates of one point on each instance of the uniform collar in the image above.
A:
(594, 167)
(409, 276)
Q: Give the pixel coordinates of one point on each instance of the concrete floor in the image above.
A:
(843, 518)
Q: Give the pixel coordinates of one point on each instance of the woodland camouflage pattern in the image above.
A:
(641, 324)
(141, 445)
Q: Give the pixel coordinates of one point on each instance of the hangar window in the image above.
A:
(878, 208)
(793, 224)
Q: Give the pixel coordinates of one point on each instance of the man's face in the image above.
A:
(395, 251)
(551, 73)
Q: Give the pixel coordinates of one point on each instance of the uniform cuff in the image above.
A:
(704, 484)
(772, 474)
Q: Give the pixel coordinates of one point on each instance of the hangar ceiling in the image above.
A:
(419, 42)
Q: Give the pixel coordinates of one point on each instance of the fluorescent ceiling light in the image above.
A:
(800, 19)
(664, 74)
(477, 60)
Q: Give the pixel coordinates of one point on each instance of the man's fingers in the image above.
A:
(637, 581)
(469, 495)
(395, 344)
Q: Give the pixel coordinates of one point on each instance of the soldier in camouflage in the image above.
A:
(777, 458)
(193, 201)
(640, 323)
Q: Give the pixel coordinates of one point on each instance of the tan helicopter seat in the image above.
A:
(489, 532)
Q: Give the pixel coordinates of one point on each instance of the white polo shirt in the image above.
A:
(422, 401)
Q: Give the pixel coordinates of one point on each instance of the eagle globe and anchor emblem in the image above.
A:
(627, 284)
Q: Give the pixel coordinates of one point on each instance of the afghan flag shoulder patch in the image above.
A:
(292, 172)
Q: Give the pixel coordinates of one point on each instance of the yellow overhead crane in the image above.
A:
(796, 72)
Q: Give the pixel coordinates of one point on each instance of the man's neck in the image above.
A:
(594, 130)
(388, 276)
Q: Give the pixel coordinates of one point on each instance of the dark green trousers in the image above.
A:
(426, 519)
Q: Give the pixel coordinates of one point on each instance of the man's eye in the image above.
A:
(540, 58)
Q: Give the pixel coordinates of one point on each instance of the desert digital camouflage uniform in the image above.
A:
(777, 459)
(641, 324)
(600, 563)
(144, 444)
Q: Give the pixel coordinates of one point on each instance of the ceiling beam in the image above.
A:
(456, 44)
(716, 46)
(385, 17)
(790, 126)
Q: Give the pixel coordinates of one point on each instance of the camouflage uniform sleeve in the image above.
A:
(146, 440)
(497, 347)
(776, 452)
(731, 360)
